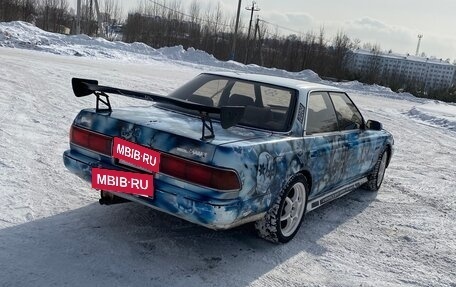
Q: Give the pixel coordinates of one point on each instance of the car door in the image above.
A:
(323, 143)
(355, 138)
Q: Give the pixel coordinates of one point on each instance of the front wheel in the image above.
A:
(282, 221)
(376, 178)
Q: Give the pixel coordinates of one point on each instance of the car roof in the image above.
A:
(303, 86)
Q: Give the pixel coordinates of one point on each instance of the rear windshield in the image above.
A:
(266, 106)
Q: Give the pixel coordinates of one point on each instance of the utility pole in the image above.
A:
(255, 34)
(260, 41)
(78, 18)
(99, 20)
(251, 9)
(89, 29)
(233, 47)
(418, 46)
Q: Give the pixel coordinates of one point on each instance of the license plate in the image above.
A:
(123, 181)
(136, 155)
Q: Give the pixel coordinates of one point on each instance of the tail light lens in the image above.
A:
(91, 140)
(212, 177)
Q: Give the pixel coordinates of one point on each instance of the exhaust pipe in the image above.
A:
(107, 198)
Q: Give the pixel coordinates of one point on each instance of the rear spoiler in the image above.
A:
(229, 115)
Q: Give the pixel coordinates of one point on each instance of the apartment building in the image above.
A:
(431, 72)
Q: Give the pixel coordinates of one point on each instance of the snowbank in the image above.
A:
(377, 90)
(436, 113)
(191, 55)
(26, 36)
(23, 35)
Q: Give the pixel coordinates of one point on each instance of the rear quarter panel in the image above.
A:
(264, 167)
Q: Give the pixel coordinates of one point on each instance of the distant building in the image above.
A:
(432, 73)
(454, 79)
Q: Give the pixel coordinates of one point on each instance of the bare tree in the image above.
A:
(308, 50)
(340, 49)
(111, 15)
(54, 15)
(374, 65)
(194, 29)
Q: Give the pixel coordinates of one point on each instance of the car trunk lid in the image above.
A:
(164, 130)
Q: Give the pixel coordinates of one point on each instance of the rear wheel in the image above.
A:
(376, 178)
(282, 221)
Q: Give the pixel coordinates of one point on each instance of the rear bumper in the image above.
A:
(171, 199)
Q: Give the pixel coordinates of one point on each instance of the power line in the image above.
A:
(190, 16)
(217, 23)
(281, 27)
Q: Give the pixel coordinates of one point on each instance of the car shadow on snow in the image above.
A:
(130, 245)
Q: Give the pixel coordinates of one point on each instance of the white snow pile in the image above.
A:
(24, 35)
(436, 113)
(376, 90)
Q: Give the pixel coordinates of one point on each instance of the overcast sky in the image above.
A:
(394, 24)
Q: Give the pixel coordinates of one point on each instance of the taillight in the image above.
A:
(212, 177)
(91, 140)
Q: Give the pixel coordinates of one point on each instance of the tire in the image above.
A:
(375, 179)
(282, 221)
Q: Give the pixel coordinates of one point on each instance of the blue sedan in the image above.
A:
(229, 148)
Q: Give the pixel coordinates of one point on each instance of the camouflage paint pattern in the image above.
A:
(264, 161)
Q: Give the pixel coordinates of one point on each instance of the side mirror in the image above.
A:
(374, 125)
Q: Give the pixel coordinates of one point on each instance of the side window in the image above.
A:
(273, 97)
(321, 117)
(347, 114)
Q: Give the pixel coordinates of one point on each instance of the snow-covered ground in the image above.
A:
(54, 233)
(436, 113)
